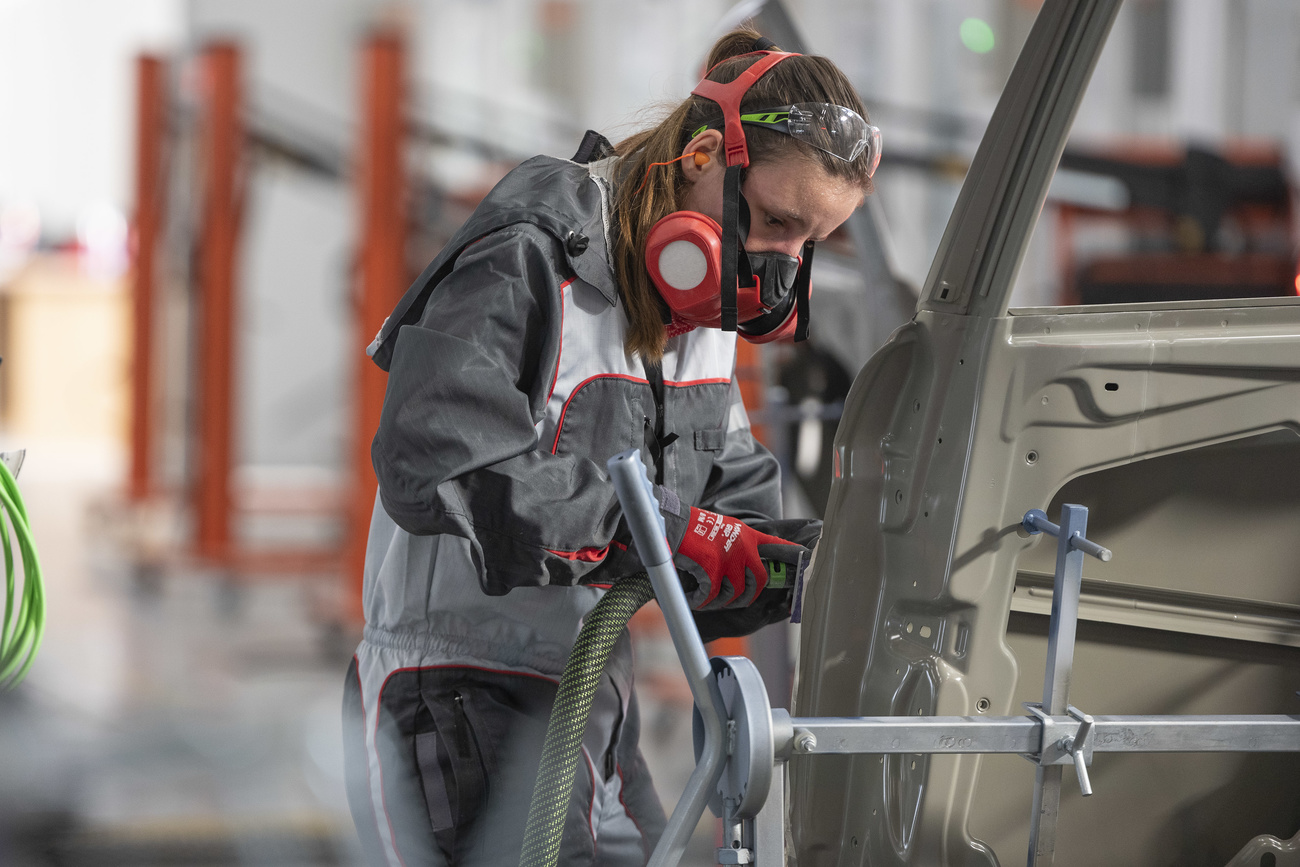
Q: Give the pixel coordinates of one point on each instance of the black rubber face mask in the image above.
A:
(776, 273)
(783, 282)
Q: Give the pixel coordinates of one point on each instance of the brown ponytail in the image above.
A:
(804, 78)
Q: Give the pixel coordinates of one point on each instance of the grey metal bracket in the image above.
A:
(1035, 522)
(1065, 740)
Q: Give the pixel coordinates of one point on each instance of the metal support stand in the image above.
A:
(1072, 544)
(743, 744)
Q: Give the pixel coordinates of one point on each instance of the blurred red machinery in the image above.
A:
(1197, 224)
(222, 142)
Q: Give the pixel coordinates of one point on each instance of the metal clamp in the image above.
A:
(1035, 522)
(1064, 741)
(1079, 748)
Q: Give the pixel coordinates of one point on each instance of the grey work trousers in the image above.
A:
(456, 750)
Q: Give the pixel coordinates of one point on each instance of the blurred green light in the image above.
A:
(977, 35)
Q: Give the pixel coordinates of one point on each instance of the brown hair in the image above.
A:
(803, 78)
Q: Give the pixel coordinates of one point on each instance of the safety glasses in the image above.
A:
(839, 131)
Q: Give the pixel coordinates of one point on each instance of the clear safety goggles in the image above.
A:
(839, 131)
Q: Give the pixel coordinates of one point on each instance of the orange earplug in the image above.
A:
(701, 158)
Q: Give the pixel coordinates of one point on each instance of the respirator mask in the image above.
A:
(702, 269)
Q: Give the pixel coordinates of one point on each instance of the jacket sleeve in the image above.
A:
(457, 447)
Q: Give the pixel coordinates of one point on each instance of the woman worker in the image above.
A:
(582, 310)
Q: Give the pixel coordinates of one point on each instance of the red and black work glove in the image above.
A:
(725, 557)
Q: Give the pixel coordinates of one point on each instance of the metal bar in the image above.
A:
(1196, 734)
(769, 824)
(647, 526)
(383, 277)
(221, 143)
(150, 185)
(1065, 610)
(1091, 548)
(1045, 813)
(1022, 734)
(917, 734)
(1056, 677)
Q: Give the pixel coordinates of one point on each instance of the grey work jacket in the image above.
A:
(496, 528)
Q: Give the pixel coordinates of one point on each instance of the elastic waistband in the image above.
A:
(441, 647)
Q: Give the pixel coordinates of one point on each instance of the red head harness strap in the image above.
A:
(734, 263)
(728, 96)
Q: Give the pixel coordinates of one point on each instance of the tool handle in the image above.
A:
(647, 526)
(636, 496)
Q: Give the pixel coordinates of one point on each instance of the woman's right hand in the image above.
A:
(725, 556)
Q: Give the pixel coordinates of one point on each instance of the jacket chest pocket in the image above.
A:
(711, 440)
(602, 418)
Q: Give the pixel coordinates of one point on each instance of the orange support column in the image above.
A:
(150, 189)
(220, 146)
(749, 375)
(383, 273)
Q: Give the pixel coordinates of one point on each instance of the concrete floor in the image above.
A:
(187, 720)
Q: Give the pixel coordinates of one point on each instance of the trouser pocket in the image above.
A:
(453, 770)
(477, 743)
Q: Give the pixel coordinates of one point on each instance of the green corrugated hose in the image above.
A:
(563, 746)
(23, 625)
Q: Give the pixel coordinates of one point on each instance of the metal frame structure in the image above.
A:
(743, 743)
(382, 276)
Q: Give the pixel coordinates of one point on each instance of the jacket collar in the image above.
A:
(565, 199)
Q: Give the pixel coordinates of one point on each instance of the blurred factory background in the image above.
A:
(204, 204)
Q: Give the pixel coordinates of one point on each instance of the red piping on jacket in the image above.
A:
(688, 382)
(560, 354)
(583, 555)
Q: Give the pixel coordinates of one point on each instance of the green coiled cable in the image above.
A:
(23, 623)
(582, 673)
